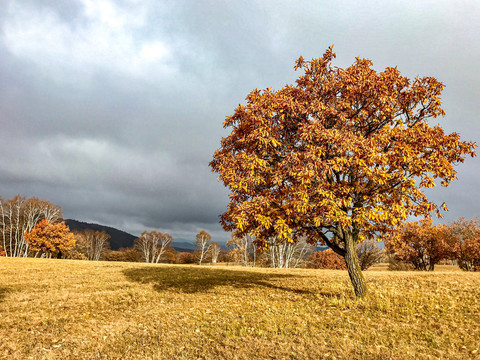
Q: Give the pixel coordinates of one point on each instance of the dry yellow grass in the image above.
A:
(61, 309)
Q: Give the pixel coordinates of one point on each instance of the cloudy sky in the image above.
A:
(112, 108)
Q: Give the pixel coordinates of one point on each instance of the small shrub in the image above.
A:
(327, 259)
(186, 258)
(369, 254)
(123, 254)
(168, 257)
(396, 264)
(75, 255)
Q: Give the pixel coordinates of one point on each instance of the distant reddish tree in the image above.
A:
(186, 258)
(422, 244)
(327, 259)
(470, 255)
(50, 238)
(123, 254)
(169, 256)
(467, 234)
(2, 252)
(74, 254)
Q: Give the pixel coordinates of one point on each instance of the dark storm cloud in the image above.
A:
(112, 109)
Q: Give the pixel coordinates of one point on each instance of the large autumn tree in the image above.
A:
(341, 156)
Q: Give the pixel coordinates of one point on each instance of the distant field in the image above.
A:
(62, 309)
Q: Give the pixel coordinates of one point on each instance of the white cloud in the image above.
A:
(153, 51)
(108, 39)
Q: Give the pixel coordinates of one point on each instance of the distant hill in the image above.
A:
(121, 239)
(118, 238)
(183, 246)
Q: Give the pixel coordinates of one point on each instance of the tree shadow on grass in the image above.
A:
(3, 292)
(201, 279)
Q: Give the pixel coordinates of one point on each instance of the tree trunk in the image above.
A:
(353, 267)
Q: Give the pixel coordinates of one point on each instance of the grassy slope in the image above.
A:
(61, 309)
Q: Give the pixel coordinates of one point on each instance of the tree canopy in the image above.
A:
(50, 238)
(341, 156)
(423, 245)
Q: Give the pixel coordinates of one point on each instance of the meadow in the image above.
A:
(66, 309)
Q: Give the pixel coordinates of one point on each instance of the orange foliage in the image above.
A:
(423, 245)
(467, 233)
(169, 257)
(327, 260)
(185, 258)
(123, 254)
(470, 249)
(74, 255)
(340, 156)
(2, 252)
(50, 238)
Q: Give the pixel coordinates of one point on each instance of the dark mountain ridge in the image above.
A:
(121, 239)
(118, 238)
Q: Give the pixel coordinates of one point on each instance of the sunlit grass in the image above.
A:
(60, 309)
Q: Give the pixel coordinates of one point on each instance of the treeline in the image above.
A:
(156, 247)
(30, 227)
(421, 245)
(418, 246)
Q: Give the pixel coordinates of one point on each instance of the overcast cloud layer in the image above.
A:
(112, 108)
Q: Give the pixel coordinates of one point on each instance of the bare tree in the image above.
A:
(20, 215)
(240, 249)
(215, 249)
(152, 245)
(284, 254)
(369, 254)
(92, 244)
(203, 245)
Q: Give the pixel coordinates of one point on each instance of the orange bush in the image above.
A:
(423, 245)
(74, 255)
(467, 234)
(50, 238)
(327, 259)
(123, 254)
(185, 258)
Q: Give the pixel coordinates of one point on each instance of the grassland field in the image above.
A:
(66, 309)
